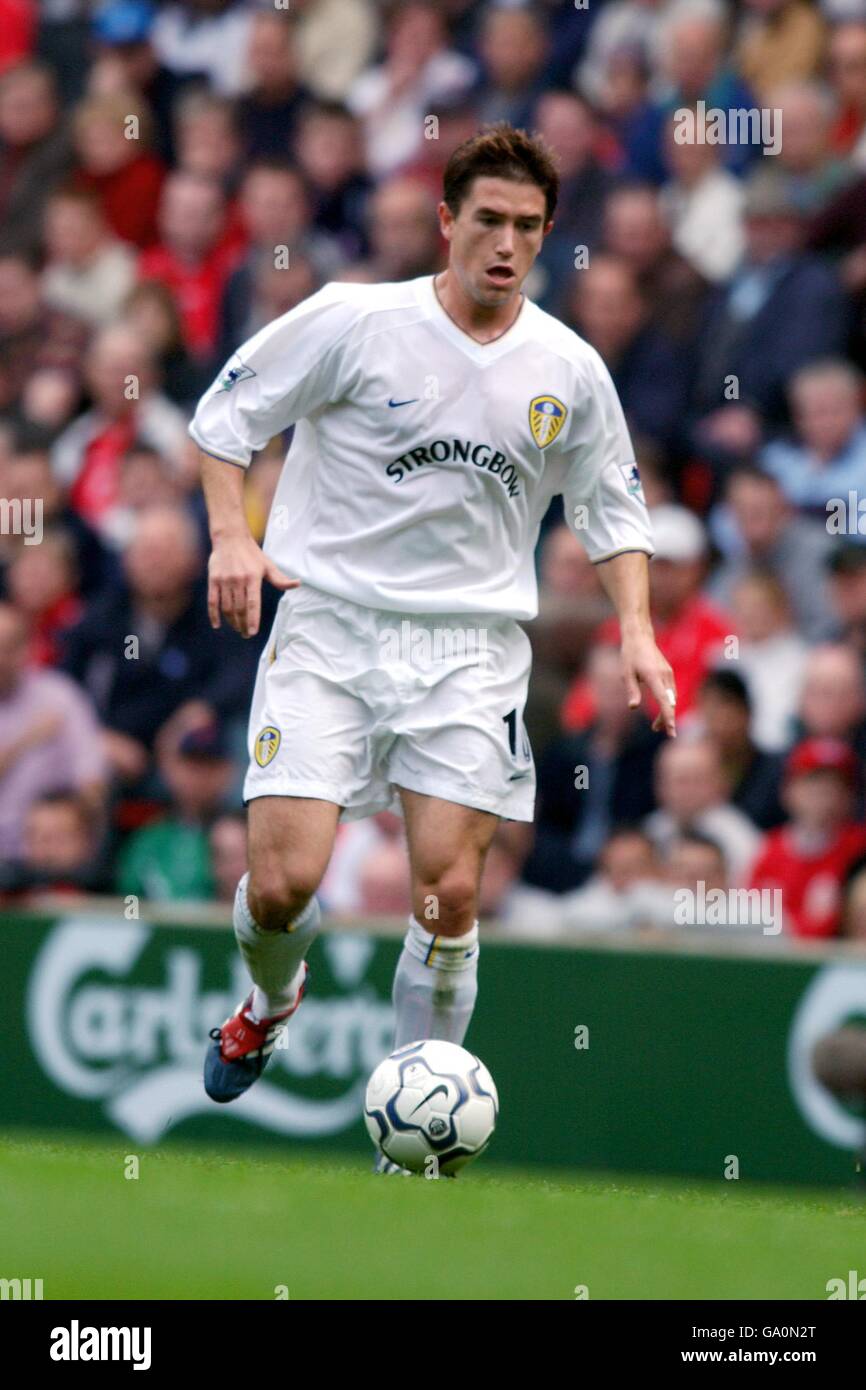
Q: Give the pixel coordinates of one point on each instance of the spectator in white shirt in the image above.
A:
(704, 206)
(626, 892)
(692, 796)
(772, 658)
(393, 99)
(205, 36)
(89, 271)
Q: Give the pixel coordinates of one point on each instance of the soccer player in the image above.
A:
(434, 421)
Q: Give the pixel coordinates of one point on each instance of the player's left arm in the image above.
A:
(625, 578)
(605, 507)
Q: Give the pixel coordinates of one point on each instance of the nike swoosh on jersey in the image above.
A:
(394, 404)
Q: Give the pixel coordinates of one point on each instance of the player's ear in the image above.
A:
(548, 228)
(446, 220)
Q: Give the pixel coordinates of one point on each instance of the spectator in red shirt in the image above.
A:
(42, 582)
(208, 142)
(807, 858)
(195, 256)
(112, 140)
(18, 20)
(127, 408)
(690, 631)
(27, 476)
(124, 59)
(846, 61)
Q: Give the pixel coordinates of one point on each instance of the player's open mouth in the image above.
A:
(502, 274)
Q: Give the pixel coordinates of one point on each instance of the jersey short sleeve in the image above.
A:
(602, 495)
(280, 375)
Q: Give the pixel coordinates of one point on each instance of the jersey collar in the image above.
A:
(482, 353)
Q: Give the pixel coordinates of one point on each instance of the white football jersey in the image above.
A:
(422, 461)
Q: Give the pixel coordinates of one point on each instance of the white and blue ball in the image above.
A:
(431, 1100)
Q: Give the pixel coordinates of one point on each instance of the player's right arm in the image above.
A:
(237, 564)
(287, 369)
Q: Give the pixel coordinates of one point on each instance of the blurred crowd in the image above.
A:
(175, 175)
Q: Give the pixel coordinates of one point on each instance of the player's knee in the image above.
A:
(450, 899)
(277, 895)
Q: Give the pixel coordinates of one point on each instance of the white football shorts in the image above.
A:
(352, 702)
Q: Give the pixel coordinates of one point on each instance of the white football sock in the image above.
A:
(275, 959)
(435, 985)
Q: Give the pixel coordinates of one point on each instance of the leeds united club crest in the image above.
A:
(267, 744)
(546, 419)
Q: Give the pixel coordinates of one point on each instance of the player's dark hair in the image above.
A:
(501, 151)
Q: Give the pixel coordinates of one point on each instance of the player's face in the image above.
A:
(495, 238)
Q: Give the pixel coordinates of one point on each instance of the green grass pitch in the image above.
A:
(203, 1224)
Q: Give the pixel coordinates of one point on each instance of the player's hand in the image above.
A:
(643, 664)
(235, 572)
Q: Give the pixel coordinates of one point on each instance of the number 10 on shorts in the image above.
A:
(510, 720)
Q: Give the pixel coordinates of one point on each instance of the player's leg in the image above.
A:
(312, 753)
(276, 914)
(461, 762)
(436, 981)
(276, 918)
